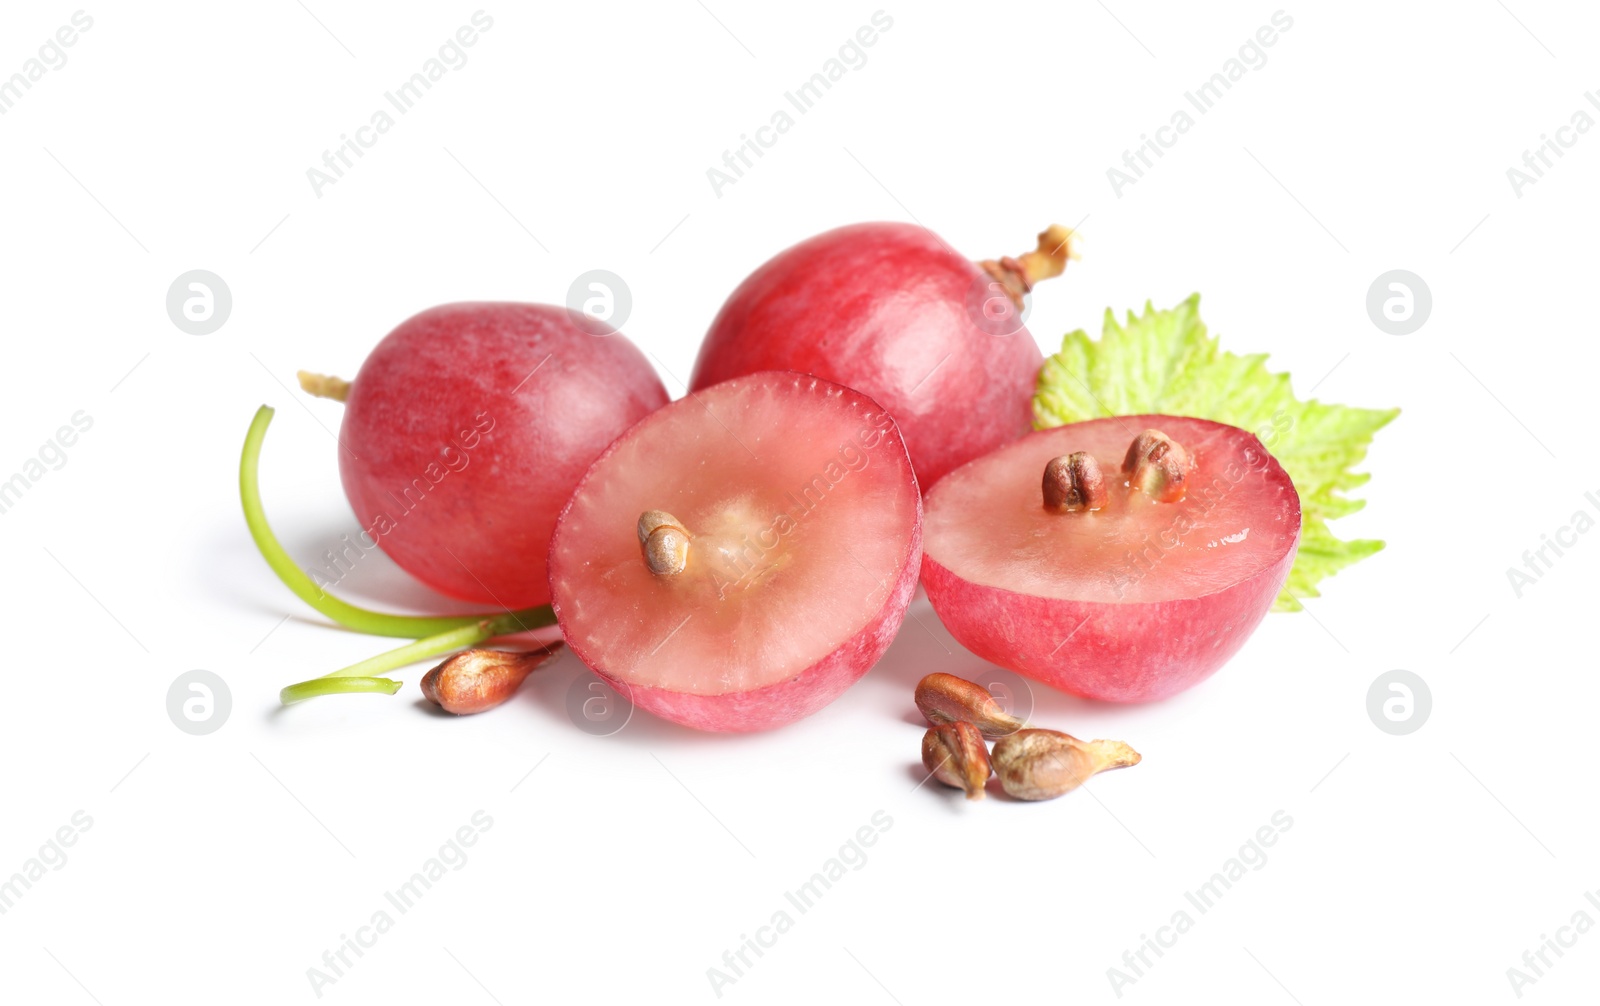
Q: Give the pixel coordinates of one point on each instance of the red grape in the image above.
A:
(891, 310)
(466, 430)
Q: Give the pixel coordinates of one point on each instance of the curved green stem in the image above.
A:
(336, 686)
(374, 623)
(361, 676)
(412, 653)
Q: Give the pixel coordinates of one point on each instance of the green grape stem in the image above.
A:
(362, 676)
(373, 623)
(337, 686)
(433, 635)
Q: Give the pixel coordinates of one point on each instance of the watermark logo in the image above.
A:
(1011, 691)
(52, 56)
(1399, 702)
(1251, 858)
(1399, 302)
(51, 457)
(1543, 157)
(1252, 55)
(199, 302)
(52, 855)
(992, 310)
(450, 56)
(198, 702)
(1535, 963)
(596, 708)
(850, 858)
(852, 55)
(599, 302)
(451, 857)
(1536, 562)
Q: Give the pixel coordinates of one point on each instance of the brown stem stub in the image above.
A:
(1074, 482)
(1158, 466)
(474, 680)
(945, 698)
(1044, 764)
(1018, 275)
(956, 755)
(323, 385)
(664, 541)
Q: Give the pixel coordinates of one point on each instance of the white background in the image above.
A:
(220, 868)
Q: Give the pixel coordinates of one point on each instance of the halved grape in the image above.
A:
(1135, 601)
(805, 526)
